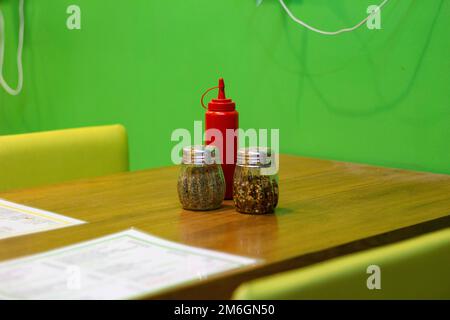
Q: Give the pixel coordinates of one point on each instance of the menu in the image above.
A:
(123, 265)
(16, 219)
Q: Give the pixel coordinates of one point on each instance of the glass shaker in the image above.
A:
(255, 184)
(201, 184)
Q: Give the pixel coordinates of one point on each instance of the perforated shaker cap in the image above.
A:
(200, 154)
(254, 156)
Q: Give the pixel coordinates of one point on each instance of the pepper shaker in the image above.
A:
(201, 185)
(255, 184)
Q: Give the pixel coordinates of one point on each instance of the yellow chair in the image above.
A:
(418, 268)
(34, 159)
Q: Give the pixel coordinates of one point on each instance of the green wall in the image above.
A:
(379, 97)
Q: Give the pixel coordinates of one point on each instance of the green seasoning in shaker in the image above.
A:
(255, 185)
(201, 185)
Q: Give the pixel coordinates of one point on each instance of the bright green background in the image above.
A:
(379, 97)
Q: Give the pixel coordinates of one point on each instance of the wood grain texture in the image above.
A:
(326, 209)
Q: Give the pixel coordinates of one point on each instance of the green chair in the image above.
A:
(417, 268)
(34, 159)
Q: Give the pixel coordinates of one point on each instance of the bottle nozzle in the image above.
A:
(221, 103)
(221, 94)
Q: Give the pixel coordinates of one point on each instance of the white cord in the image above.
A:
(330, 33)
(3, 82)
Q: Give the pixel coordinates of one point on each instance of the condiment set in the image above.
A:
(201, 184)
(207, 177)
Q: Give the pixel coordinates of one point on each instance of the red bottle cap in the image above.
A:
(221, 103)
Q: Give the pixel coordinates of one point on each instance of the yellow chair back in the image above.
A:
(418, 268)
(34, 159)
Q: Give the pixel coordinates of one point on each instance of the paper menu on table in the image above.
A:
(17, 219)
(123, 265)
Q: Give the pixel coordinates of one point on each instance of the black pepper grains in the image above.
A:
(201, 185)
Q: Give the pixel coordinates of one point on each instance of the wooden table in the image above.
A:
(326, 209)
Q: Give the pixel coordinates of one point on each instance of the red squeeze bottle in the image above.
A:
(221, 115)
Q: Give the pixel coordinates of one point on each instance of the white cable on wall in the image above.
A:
(330, 33)
(3, 82)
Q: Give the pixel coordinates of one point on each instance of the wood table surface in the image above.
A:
(326, 209)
